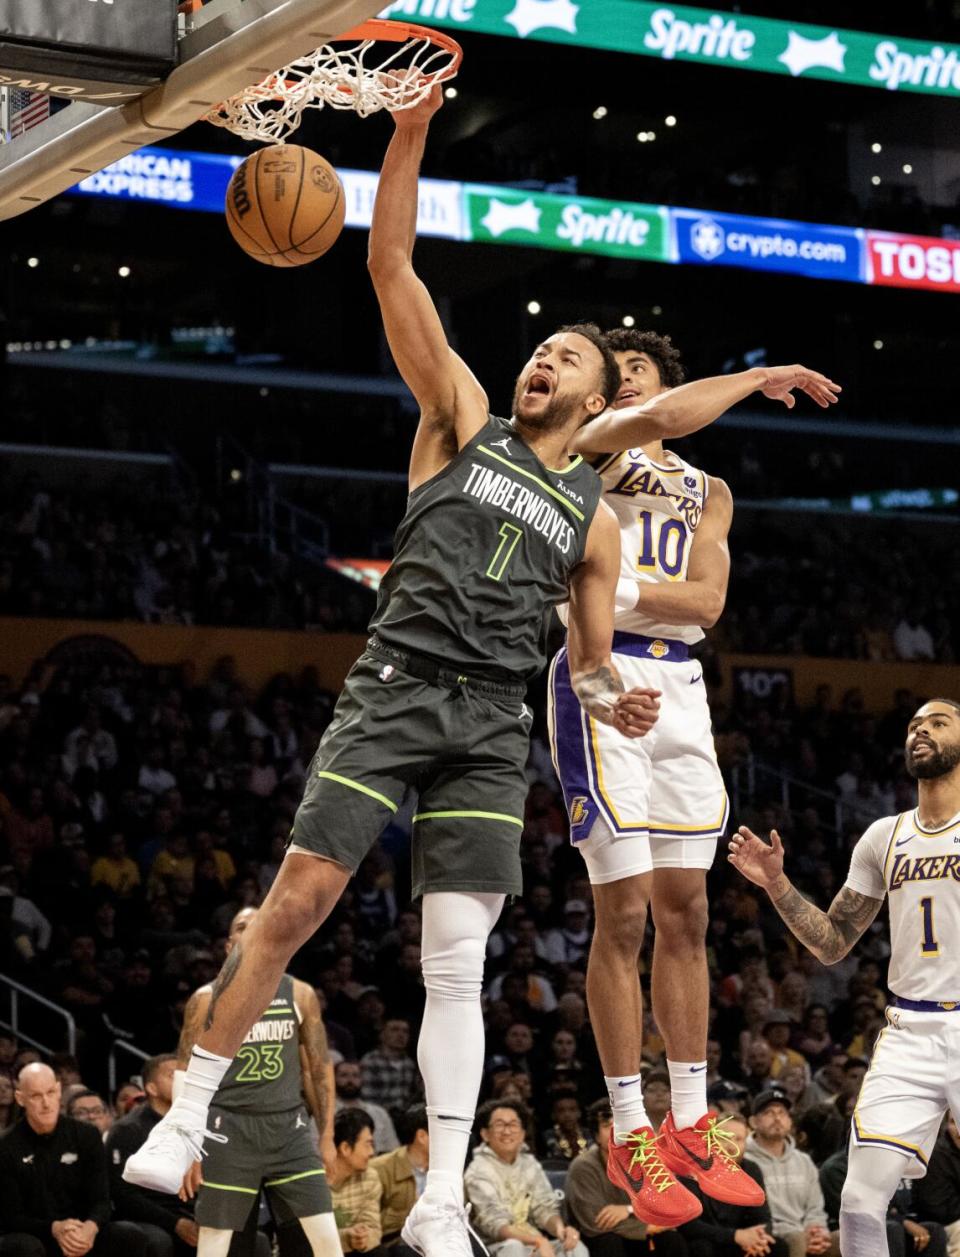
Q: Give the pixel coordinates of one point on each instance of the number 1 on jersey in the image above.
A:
(929, 946)
(510, 534)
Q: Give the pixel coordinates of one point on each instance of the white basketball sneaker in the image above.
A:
(171, 1148)
(440, 1228)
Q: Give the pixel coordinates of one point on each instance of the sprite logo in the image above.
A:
(619, 229)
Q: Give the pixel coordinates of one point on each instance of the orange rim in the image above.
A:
(399, 32)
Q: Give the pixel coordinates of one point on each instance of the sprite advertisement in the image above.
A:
(735, 40)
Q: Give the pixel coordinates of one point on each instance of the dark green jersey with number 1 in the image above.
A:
(483, 554)
(265, 1075)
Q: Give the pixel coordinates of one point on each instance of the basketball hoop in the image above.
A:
(353, 72)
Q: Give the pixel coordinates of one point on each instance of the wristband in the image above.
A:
(628, 592)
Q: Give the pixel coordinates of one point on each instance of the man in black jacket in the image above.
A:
(55, 1196)
(733, 1230)
(167, 1222)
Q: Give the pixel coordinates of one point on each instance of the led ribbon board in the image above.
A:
(733, 40)
(491, 214)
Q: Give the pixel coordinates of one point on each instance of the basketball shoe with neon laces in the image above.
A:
(706, 1153)
(656, 1197)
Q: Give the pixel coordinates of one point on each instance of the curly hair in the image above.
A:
(659, 349)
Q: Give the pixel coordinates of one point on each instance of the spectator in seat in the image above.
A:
(167, 1223)
(389, 1074)
(8, 1108)
(355, 1184)
(600, 1211)
(348, 1079)
(56, 1194)
(115, 869)
(733, 1230)
(403, 1175)
(938, 1193)
(514, 1206)
(87, 1106)
(656, 1096)
(790, 1179)
(565, 1137)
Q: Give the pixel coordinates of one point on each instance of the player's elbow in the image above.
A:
(385, 262)
(711, 608)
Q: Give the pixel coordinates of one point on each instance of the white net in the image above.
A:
(365, 75)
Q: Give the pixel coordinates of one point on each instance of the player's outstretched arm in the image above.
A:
(688, 408)
(829, 935)
(595, 680)
(453, 406)
(701, 596)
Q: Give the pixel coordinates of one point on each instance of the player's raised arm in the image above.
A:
(829, 935)
(453, 406)
(700, 597)
(680, 411)
(595, 680)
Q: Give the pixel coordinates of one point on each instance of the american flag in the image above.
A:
(25, 110)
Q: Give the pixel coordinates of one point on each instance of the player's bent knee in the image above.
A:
(214, 1242)
(859, 1197)
(623, 929)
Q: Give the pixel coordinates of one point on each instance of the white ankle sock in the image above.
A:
(688, 1091)
(626, 1101)
(204, 1075)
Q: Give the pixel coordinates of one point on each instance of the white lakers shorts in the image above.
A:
(661, 797)
(911, 1083)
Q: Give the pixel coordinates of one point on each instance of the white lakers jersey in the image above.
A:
(919, 870)
(658, 507)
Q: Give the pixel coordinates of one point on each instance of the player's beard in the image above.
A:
(936, 764)
(558, 413)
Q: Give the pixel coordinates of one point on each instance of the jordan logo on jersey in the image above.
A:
(502, 445)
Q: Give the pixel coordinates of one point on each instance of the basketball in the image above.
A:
(285, 205)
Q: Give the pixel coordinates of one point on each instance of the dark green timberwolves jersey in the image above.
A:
(265, 1075)
(483, 554)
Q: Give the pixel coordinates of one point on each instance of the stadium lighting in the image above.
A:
(451, 93)
(907, 169)
(236, 474)
(878, 344)
(875, 180)
(657, 310)
(124, 272)
(533, 307)
(876, 148)
(628, 320)
(670, 120)
(600, 112)
(33, 263)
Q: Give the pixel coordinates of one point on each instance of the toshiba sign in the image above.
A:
(913, 261)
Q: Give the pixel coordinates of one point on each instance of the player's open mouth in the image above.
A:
(627, 395)
(537, 386)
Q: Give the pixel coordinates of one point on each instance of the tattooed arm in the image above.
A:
(193, 1018)
(594, 679)
(829, 935)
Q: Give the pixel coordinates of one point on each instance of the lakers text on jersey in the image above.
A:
(912, 1079)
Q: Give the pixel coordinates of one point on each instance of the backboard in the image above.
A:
(224, 46)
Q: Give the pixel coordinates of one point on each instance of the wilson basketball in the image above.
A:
(285, 205)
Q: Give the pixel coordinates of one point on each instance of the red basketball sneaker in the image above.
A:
(706, 1152)
(655, 1195)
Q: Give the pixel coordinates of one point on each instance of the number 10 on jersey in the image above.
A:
(663, 543)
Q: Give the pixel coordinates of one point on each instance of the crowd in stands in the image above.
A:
(157, 552)
(141, 808)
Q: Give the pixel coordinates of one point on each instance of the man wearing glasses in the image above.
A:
(514, 1206)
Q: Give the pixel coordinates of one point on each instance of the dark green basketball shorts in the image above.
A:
(274, 1151)
(461, 743)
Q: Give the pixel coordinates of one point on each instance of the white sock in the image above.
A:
(204, 1075)
(451, 1048)
(688, 1091)
(626, 1101)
